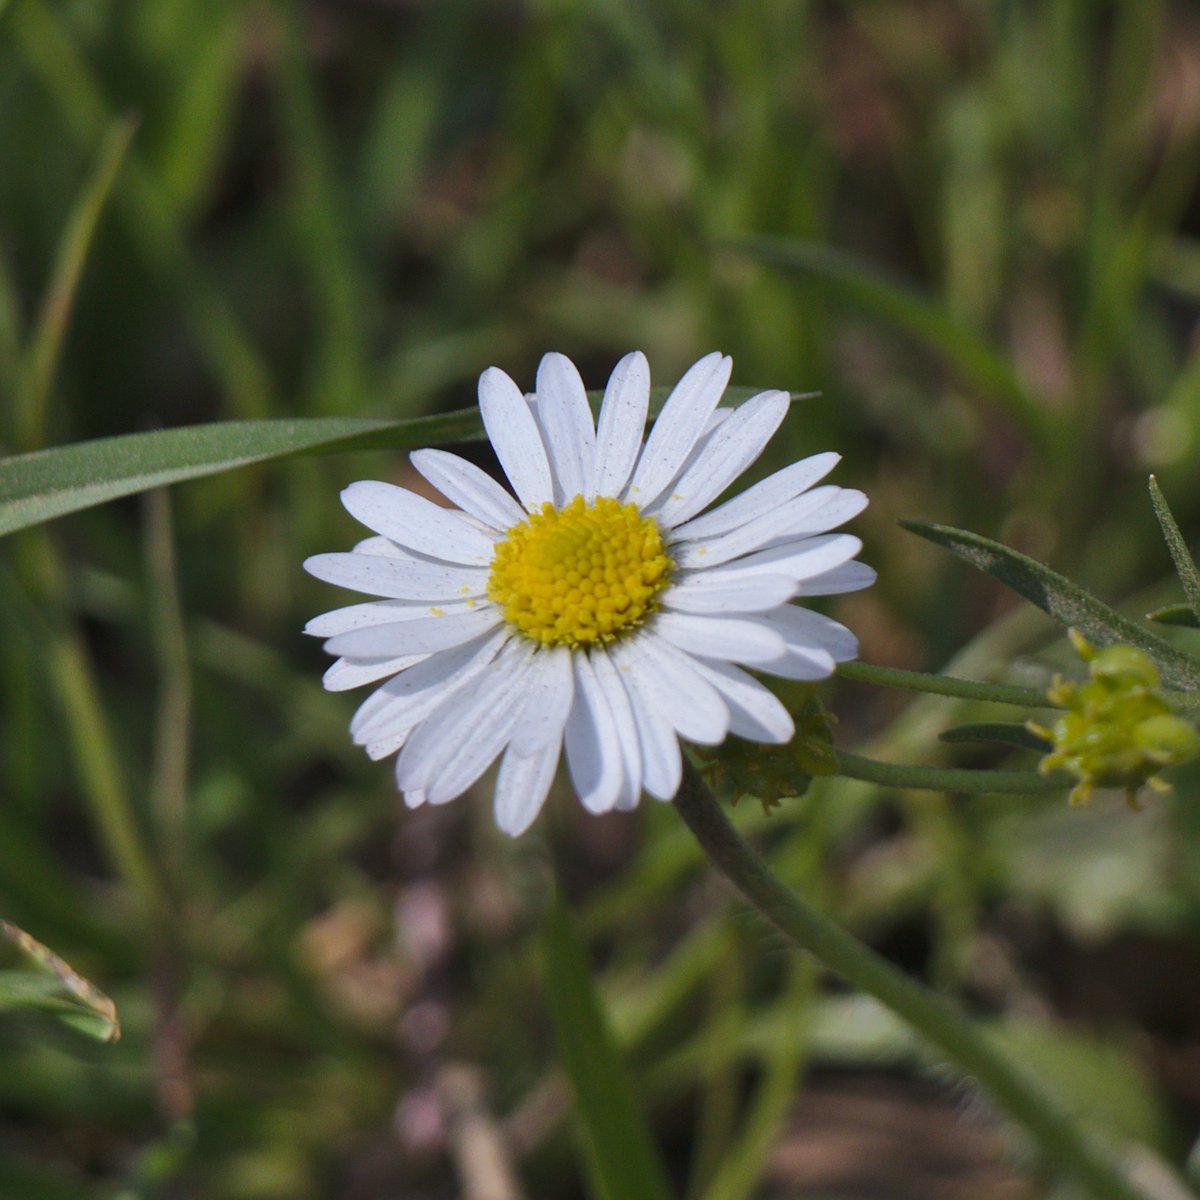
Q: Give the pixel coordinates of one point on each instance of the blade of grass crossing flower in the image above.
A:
(41, 981)
(50, 483)
(1185, 565)
(1063, 600)
(37, 487)
(622, 1159)
(51, 327)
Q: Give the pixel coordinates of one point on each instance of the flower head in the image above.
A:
(1118, 728)
(597, 615)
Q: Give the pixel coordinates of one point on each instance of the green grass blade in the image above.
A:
(1006, 733)
(51, 327)
(622, 1158)
(37, 487)
(50, 483)
(931, 323)
(44, 982)
(1063, 600)
(1185, 565)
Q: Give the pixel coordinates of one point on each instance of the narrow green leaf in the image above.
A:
(1175, 614)
(49, 483)
(622, 1159)
(51, 326)
(867, 288)
(1185, 565)
(37, 487)
(1063, 600)
(1004, 732)
(45, 983)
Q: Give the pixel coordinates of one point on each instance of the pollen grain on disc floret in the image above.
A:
(588, 572)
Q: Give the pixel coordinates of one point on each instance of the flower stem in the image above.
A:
(951, 779)
(944, 685)
(945, 1026)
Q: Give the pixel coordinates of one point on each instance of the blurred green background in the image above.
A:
(971, 226)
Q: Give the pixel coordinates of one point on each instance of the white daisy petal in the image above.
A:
(849, 577)
(382, 546)
(438, 675)
(754, 712)
(377, 612)
(622, 424)
(349, 673)
(590, 739)
(399, 578)
(567, 426)
(698, 593)
(761, 498)
(514, 435)
(803, 627)
(410, 520)
(735, 444)
(814, 512)
(461, 738)
(679, 425)
(670, 684)
(414, 799)
(739, 639)
(804, 663)
(839, 509)
(423, 635)
(662, 762)
(472, 489)
(550, 692)
(799, 560)
(522, 784)
(387, 729)
(609, 680)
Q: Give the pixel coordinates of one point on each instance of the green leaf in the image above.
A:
(43, 982)
(1175, 614)
(1185, 566)
(50, 483)
(622, 1158)
(867, 288)
(1004, 732)
(1063, 600)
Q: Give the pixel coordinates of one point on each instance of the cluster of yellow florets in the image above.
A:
(581, 574)
(1118, 729)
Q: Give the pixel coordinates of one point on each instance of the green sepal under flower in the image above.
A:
(775, 772)
(1118, 728)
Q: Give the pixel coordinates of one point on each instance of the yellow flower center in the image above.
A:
(580, 574)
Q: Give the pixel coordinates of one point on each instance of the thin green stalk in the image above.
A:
(1013, 1090)
(950, 779)
(943, 685)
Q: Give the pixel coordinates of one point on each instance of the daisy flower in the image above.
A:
(599, 613)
